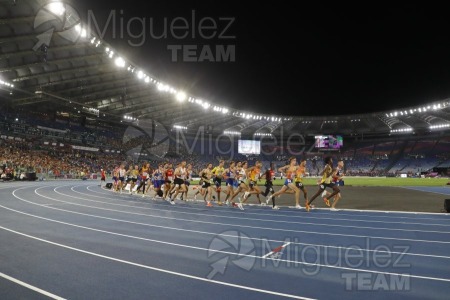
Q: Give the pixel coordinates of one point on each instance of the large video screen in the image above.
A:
(249, 147)
(330, 142)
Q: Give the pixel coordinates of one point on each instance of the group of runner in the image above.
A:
(163, 180)
(240, 181)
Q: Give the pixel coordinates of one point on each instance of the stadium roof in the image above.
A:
(50, 59)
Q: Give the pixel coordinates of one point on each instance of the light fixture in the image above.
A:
(440, 126)
(228, 132)
(181, 96)
(57, 8)
(120, 62)
(409, 129)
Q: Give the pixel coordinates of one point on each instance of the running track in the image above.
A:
(76, 240)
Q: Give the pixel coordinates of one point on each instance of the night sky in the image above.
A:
(313, 60)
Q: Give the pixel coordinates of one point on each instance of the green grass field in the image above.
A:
(376, 181)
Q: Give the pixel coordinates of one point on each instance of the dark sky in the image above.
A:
(312, 59)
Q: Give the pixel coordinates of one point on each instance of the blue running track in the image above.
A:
(74, 240)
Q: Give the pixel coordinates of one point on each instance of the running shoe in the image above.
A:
(298, 207)
(275, 207)
(172, 202)
(268, 199)
(307, 207)
(334, 209)
(241, 207)
(327, 202)
(209, 204)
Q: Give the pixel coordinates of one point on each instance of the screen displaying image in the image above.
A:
(320, 142)
(249, 147)
(335, 142)
(329, 142)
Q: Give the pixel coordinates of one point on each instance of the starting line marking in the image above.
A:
(276, 250)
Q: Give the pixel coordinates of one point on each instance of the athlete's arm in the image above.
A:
(282, 169)
(263, 175)
(339, 177)
(225, 172)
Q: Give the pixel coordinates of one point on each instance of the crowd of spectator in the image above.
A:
(23, 151)
(25, 157)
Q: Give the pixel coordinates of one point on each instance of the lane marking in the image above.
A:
(156, 269)
(221, 251)
(31, 287)
(302, 216)
(277, 250)
(424, 191)
(247, 226)
(252, 219)
(221, 234)
(325, 211)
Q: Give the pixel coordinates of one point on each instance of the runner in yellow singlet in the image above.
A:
(325, 182)
(217, 176)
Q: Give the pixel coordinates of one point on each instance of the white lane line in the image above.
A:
(31, 287)
(323, 211)
(243, 226)
(238, 254)
(278, 249)
(225, 235)
(303, 216)
(420, 190)
(393, 212)
(156, 269)
(252, 219)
